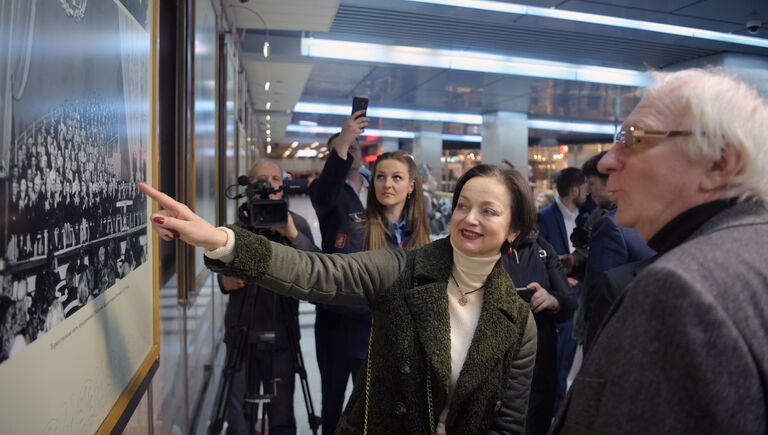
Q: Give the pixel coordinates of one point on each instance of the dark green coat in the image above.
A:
(407, 294)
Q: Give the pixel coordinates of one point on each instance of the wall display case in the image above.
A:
(202, 174)
(77, 292)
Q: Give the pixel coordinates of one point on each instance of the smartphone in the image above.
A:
(360, 103)
(526, 293)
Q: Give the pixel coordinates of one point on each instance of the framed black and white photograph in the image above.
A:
(74, 246)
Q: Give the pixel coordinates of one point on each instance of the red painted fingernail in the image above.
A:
(158, 220)
(175, 234)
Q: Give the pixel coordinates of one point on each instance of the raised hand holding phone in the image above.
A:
(358, 104)
(353, 127)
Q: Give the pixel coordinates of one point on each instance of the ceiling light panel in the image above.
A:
(295, 128)
(469, 61)
(538, 124)
(422, 115)
(389, 113)
(605, 20)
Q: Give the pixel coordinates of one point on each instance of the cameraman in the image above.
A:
(259, 310)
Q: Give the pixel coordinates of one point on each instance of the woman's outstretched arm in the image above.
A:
(176, 221)
(345, 279)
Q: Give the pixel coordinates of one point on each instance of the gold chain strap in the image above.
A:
(368, 380)
(368, 390)
(429, 400)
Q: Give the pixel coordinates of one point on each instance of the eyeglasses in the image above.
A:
(629, 137)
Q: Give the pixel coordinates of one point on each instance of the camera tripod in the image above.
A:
(243, 350)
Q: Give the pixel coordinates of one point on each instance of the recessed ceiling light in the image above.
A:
(268, 105)
(306, 152)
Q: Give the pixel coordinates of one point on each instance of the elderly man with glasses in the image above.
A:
(685, 348)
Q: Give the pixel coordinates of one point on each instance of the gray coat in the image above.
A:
(685, 349)
(406, 292)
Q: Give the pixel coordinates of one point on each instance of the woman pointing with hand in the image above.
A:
(452, 345)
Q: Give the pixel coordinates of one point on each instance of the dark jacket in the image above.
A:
(407, 293)
(256, 309)
(610, 246)
(535, 260)
(340, 213)
(551, 225)
(683, 350)
(341, 216)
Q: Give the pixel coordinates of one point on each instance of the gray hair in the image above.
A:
(724, 111)
(263, 160)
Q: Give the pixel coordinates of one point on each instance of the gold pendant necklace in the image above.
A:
(463, 300)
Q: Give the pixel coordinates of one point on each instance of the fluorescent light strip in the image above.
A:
(469, 61)
(306, 152)
(389, 113)
(574, 127)
(463, 137)
(538, 124)
(463, 118)
(294, 128)
(582, 17)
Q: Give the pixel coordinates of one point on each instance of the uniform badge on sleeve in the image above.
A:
(341, 240)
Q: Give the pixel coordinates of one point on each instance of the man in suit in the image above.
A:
(556, 223)
(558, 220)
(610, 246)
(683, 349)
(339, 196)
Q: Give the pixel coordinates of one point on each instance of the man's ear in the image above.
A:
(722, 171)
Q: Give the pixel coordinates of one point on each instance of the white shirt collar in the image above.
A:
(567, 214)
(362, 195)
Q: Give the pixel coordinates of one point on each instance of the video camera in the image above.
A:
(261, 212)
(580, 238)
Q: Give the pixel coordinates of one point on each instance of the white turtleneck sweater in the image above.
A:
(470, 273)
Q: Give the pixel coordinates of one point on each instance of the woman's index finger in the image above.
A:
(164, 200)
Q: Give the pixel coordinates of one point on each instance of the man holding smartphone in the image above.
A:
(339, 197)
